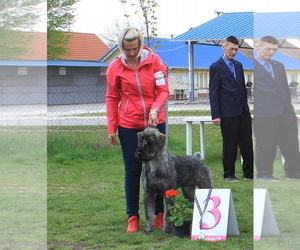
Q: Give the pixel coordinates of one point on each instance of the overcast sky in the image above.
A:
(174, 16)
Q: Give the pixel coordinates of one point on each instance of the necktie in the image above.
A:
(268, 68)
(232, 68)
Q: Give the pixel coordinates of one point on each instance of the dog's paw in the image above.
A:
(167, 230)
(148, 231)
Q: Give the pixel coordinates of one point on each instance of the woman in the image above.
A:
(137, 89)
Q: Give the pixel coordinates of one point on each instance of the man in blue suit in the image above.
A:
(230, 110)
(275, 121)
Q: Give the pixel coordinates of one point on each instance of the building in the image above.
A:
(248, 27)
(176, 55)
(79, 77)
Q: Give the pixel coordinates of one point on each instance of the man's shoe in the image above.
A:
(133, 224)
(295, 178)
(248, 177)
(268, 178)
(231, 179)
(159, 221)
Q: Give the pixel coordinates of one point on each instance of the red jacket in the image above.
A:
(132, 93)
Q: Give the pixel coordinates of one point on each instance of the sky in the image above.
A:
(174, 16)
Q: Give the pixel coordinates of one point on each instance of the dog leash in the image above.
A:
(201, 236)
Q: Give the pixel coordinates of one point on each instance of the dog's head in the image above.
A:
(150, 141)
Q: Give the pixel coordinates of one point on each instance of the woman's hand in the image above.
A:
(153, 120)
(113, 139)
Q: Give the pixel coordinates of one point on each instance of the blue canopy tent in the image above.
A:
(247, 27)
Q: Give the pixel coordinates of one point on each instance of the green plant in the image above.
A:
(181, 211)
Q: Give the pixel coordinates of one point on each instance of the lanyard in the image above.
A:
(204, 209)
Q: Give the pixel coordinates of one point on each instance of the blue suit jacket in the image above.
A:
(271, 95)
(228, 95)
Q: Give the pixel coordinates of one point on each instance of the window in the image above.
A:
(62, 71)
(22, 71)
(203, 80)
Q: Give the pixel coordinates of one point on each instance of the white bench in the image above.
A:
(189, 133)
(202, 119)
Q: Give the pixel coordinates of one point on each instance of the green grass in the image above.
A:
(86, 200)
(23, 188)
(189, 113)
(285, 203)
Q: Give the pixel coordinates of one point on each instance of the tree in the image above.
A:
(110, 33)
(16, 17)
(147, 9)
(61, 16)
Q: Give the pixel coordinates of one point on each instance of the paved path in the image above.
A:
(79, 115)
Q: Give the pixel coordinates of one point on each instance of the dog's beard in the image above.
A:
(144, 156)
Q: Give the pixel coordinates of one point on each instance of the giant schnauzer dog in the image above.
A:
(164, 171)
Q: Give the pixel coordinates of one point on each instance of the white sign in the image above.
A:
(214, 215)
(264, 219)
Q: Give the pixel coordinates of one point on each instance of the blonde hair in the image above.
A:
(130, 34)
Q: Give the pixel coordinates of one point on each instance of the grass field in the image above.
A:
(23, 190)
(86, 197)
(86, 200)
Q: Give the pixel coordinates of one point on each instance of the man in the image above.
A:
(275, 122)
(249, 86)
(230, 110)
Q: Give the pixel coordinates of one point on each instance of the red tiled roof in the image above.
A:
(28, 46)
(82, 46)
(37, 49)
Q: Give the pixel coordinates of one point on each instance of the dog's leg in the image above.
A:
(189, 192)
(204, 178)
(149, 209)
(167, 224)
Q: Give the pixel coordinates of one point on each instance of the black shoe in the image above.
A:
(268, 178)
(248, 178)
(295, 178)
(231, 178)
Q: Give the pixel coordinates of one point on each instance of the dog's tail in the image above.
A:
(198, 155)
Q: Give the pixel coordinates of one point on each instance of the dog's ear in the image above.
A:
(139, 134)
(161, 139)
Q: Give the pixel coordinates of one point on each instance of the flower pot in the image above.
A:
(183, 231)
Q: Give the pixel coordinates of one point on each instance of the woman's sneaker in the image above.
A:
(159, 221)
(133, 224)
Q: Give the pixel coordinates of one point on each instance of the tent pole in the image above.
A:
(191, 72)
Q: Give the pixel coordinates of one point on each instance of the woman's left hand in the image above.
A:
(153, 121)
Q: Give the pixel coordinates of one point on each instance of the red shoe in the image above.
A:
(159, 221)
(133, 224)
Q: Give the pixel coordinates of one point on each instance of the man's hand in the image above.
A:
(217, 121)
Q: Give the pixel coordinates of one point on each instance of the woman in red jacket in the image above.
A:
(137, 89)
